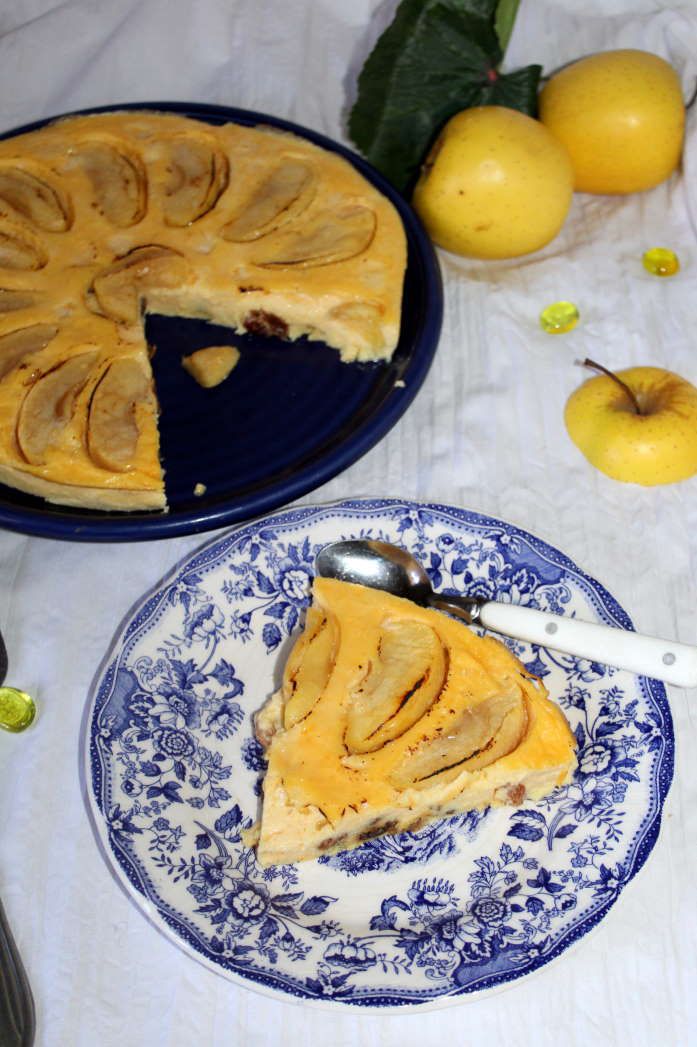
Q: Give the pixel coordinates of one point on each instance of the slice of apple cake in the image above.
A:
(391, 715)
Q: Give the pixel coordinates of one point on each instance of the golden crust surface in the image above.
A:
(348, 760)
(105, 217)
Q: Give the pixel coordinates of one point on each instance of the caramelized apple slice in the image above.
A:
(112, 430)
(198, 174)
(35, 199)
(119, 182)
(399, 687)
(119, 288)
(283, 195)
(49, 405)
(15, 345)
(480, 735)
(330, 237)
(212, 365)
(20, 252)
(12, 301)
(309, 666)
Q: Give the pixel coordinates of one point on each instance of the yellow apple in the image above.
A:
(496, 184)
(621, 116)
(658, 445)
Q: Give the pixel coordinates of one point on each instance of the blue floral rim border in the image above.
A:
(176, 925)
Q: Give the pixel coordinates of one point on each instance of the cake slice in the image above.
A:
(390, 716)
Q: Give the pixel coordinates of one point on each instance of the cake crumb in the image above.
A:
(400, 384)
(211, 366)
(200, 489)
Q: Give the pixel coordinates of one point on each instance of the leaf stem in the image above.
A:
(504, 20)
(610, 374)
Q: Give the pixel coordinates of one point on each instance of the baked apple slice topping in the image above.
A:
(309, 666)
(19, 251)
(399, 687)
(282, 196)
(112, 428)
(12, 301)
(119, 182)
(198, 173)
(35, 199)
(118, 290)
(48, 406)
(212, 365)
(16, 345)
(328, 237)
(476, 737)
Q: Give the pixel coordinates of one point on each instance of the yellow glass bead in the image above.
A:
(661, 261)
(17, 709)
(559, 317)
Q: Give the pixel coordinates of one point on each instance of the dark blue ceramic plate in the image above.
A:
(293, 417)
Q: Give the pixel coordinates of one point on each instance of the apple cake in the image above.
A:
(391, 715)
(104, 218)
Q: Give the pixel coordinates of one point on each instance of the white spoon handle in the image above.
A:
(674, 663)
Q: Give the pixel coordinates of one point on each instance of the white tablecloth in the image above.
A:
(485, 432)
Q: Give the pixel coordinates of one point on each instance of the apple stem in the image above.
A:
(610, 374)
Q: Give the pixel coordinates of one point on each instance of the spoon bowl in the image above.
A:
(381, 565)
(378, 565)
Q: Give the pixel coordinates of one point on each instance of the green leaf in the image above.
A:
(505, 20)
(436, 58)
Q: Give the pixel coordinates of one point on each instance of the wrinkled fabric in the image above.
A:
(485, 432)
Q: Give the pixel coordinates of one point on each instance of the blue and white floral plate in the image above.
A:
(421, 919)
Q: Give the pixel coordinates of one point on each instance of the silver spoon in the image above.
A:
(381, 565)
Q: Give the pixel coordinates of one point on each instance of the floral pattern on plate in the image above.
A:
(419, 919)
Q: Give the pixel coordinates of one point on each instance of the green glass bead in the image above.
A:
(17, 709)
(661, 261)
(559, 317)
